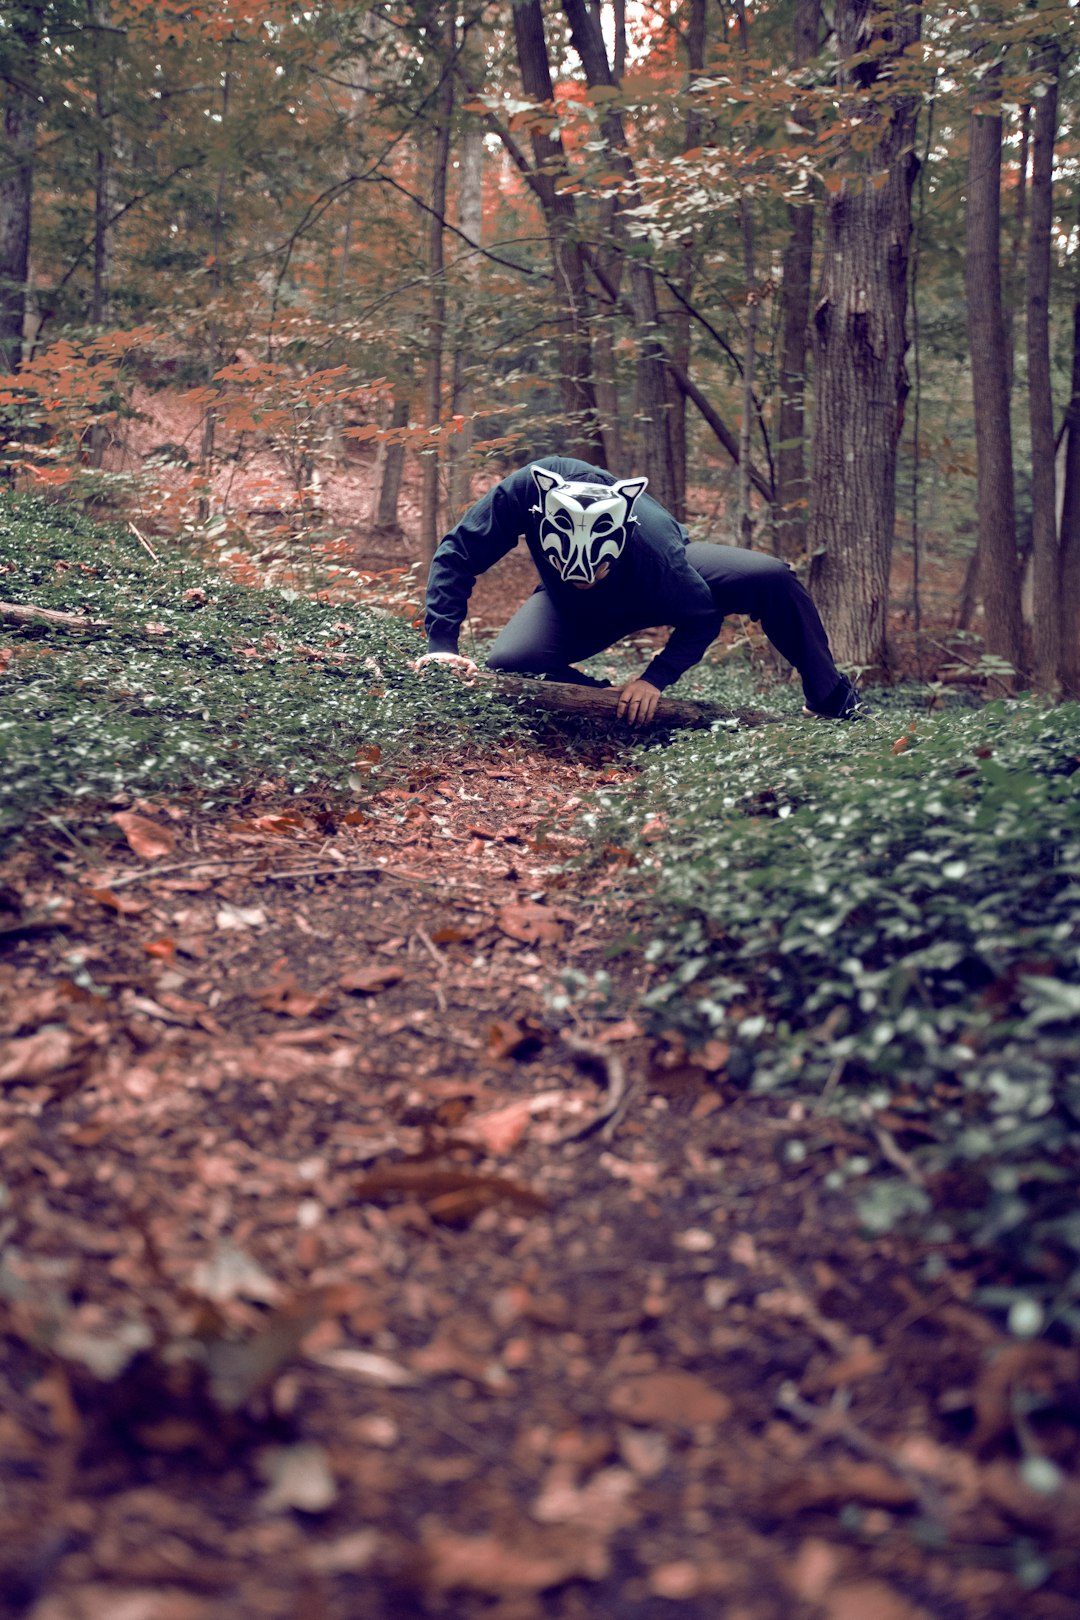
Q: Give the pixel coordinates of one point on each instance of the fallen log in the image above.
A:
(601, 703)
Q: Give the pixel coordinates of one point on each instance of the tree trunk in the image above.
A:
(677, 318)
(386, 479)
(1013, 281)
(998, 573)
(860, 341)
(1045, 629)
(584, 437)
(654, 391)
(790, 510)
(750, 325)
(1069, 550)
(470, 221)
(436, 336)
(20, 114)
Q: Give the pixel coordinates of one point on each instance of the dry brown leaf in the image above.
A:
(539, 1559)
(531, 923)
(145, 837)
(514, 1038)
(124, 904)
(814, 1569)
(286, 998)
(870, 1600)
(449, 1195)
(370, 980)
(673, 1399)
(36, 1056)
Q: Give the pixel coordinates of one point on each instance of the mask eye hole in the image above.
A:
(603, 525)
(564, 521)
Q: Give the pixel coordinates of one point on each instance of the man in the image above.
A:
(611, 562)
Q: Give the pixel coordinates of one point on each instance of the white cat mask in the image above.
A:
(583, 524)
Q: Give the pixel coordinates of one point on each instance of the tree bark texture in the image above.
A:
(600, 703)
(677, 316)
(576, 374)
(791, 507)
(19, 75)
(998, 573)
(436, 333)
(859, 344)
(1045, 628)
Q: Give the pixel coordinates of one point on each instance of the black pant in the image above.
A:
(539, 641)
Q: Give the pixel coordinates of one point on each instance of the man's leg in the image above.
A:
(539, 641)
(765, 588)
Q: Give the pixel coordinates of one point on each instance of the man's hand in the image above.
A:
(637, 702)
(456, 661)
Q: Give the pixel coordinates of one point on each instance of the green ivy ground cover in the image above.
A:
(876, 926)
(224, 692)
(866, 927)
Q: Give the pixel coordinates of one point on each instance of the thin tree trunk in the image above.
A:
(860, 342)
(654, 393)
(791, 508)
(750, 325)
(1069, 546)
(386, 478)
(677, 318)
(470, 221)
(20, 115)
(1012, 277)
(1045, 628)
(584, 437)
(995, 501)
(213, 330)
(429, 485)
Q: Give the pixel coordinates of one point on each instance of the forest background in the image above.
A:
(811, 268)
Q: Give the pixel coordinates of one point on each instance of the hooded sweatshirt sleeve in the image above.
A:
(487, 532)
(689, 607)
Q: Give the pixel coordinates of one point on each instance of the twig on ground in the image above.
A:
(891, 1150)
(147, 547)
(612, 1109)
(832, 1422)
(440, 962)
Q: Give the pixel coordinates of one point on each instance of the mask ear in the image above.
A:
(629, 489)
(546, 480)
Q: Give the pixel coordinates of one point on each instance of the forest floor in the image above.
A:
(357, 1315)
(359, 1274)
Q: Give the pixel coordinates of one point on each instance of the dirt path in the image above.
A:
(323, 1300)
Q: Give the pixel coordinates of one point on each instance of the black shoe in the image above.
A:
(844, 703)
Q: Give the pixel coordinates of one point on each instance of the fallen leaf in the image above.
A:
(814, 1569)
(124, 904)
(451, 1196)
(164, 948)
(145, 837)
(284, 997)
(367, 981)
(673, 1399)
(500, 1129)
(540, 1559)
(239, 917)
(514, 1038)
(530, 923)
(859, 1600)
(365, 1364)
(35, 1057)
(299, 1476)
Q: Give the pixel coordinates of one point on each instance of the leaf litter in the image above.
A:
(323, 1293)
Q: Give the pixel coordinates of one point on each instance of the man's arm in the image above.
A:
(487, 532)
